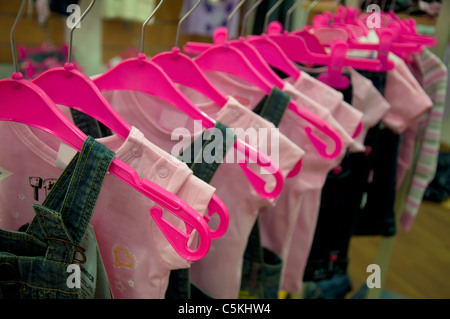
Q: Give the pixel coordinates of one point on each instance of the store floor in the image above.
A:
(419, 266)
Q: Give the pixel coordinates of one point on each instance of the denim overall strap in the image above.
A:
(66, 212)
(33, 264)
(272, 107)
(203, 164)
(180, 286)
(262, 268)
(89, 125)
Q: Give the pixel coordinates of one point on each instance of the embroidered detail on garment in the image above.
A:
(123, 257)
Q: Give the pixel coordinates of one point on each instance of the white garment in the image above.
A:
(42, 10)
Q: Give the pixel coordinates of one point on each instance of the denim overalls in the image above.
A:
(180, 286)
(40, 262)
(261, 269)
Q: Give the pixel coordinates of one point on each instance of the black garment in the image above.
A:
(332, 231)
(278, 15)
(376, 214)
(89, 126)
(60, 6)
(439, 188)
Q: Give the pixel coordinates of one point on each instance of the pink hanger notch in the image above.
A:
(334, 77)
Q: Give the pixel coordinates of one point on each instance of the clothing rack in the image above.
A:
(386, 246)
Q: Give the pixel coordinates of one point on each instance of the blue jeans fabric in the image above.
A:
(33, 264)
(261, 269)
(180, 286)
(88, 125)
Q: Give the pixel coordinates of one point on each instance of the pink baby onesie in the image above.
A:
(349, 117)
(219, 273)
(137, 256)
(366, 99)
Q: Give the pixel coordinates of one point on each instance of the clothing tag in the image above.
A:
(4, 174)
(65, 155)
(172, 118)
(243, 98)
(89, 269)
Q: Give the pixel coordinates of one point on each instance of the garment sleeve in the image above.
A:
(407, 98)
(428, 138)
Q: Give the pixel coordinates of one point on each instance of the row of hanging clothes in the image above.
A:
(148, 180)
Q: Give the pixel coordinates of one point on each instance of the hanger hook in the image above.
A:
(392, 6)
(145, 24)
(308, 10)
(247, 15)
(13, 31)
(69, 60)
(177, 38)
(240, 4)
(289, 13)
(269, 13)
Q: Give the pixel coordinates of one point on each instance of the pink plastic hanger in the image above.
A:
(177, 65)
(143, 75)
(270, 51)
(258, 61)
(67, 86)
(408, 31)
(334, 77)
(24, 102)
(70, 87)
(261, 52)
(323, 24)
(251, 54)
(226, 58)
(296, 49)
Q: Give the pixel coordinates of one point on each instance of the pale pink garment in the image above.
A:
(297, 208)
(373, 106)
(219, 273)
(367, 99)
(136, 255)
(291, 236)
(303, 233)
(403, 110)
(407, 98)
(349, 117)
